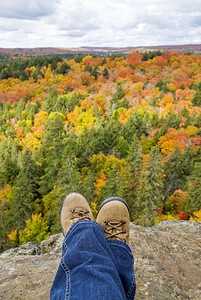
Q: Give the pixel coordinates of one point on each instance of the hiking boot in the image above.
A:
(113, 217)
(73, 208)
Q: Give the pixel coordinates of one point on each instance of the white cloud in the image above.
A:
(74, 23)
(26, 9)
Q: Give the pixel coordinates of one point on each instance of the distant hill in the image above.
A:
(51, 50)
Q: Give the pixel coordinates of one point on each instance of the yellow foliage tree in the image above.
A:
(197, 216)
(125, 115)
(36, 230)
(54, 114)
(81, 119)
(40, 118)
(167, 100)
(5, 192)
(93, 206)
(191, 130)
(100, 183)
(31, 141)
(167, 217)
(102, 164)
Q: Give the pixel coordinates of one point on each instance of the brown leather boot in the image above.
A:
(73, 208)
(113, 217)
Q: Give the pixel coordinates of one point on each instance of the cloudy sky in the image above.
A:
(100, 23)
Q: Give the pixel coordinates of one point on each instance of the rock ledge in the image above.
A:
(167, 263)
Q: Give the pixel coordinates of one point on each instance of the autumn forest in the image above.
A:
(101, 125)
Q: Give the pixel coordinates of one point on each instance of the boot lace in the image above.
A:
(80, 214)
(114, 229)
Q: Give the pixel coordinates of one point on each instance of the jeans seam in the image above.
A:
(65, 246)
(130, 253)
(132, 285)
(131, 288)
(67, 272)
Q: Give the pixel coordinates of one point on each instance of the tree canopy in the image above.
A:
(125, 125)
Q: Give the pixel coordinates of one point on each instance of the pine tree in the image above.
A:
(197, 98)
(135, 126)
(8, 161)
(50, 101)
(5, 226)
(95, 72)
(21, 199)
(119, 94)
(122, 146)
(51, 151)
(134, 162)
(69, 179)
(150, 192)
(194, 200)
(106, 73)
(17, 239)
(89, 186)
(177, 167)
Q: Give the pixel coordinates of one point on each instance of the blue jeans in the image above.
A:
(93, 268)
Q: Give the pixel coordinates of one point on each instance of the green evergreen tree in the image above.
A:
(51, 151)
(135, 126)
(194, 200)
(151, 189)
(21, 201)
(5, 226)
(50, 101)
(20, 106)
(95, 72)
(177, 167)
(37, 73)
(69, 179)
(134, 162)
(88, 189)
(197, 98)
(32, 109)
(88, 68)
(17, 239)
(24, 191)
(8, 161)
(119, 94)
(106, 73)
(123, 103)
(73, 100)
(9, 171)
(64, 69)
(122, 146)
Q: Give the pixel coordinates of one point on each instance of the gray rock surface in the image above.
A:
(167, 264)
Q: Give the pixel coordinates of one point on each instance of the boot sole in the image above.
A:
(114, 199)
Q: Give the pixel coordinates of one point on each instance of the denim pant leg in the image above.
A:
(124, 262)
(93, 268)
